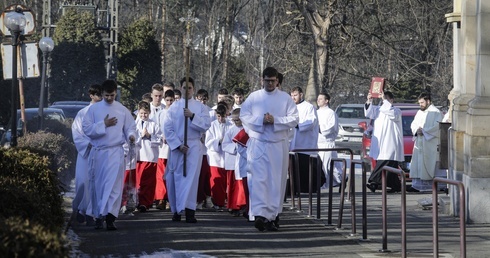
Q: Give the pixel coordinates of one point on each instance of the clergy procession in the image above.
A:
(182, 156)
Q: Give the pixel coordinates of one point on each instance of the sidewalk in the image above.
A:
(218, 234)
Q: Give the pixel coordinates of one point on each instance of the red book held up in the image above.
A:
(377, 85)
(241, 138)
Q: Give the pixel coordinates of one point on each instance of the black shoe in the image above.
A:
(343, 186)
(372, 187)
(276, 222)
(412, 190)
(109, 221)
(142, 208)
(271, 226)
(89, 221)
(110, 225)
(260, 223)
(393, 190)
(176, 217)
(80, 218)
(235, 213)
(190, 216)
(99, 224)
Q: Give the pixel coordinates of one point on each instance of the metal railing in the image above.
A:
(462, 215)
(294, 176)
(364, 200)
(400, 172)
(353, 164)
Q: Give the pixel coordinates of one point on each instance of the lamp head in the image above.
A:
(46, 44)
(15, 21)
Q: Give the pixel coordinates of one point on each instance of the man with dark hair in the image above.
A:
(156, 104)
(109, 125)
(425, 128)
(267, 115)
(82, 143)
(238, 96)
(182, 190)
(329, 128)
(178, 94)
(222, 93)
(168, 86)
(305, 134)
(280, 78)
(386, 141)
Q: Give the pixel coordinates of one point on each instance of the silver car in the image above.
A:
(350, 134)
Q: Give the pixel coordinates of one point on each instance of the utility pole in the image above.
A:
(113, 22)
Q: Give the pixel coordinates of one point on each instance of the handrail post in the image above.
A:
(353, 198)
(342, 193)
(330, 185)
(364, 202)
(291, 179)
(353, 195)
(343, 184)
(310, 185)
(387, 169)
(462, 215)
(319, 172)
(298, 180)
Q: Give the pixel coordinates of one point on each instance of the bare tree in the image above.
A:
(318, 18)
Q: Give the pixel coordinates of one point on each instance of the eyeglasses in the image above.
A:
(270, 80)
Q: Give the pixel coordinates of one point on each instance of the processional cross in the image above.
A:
(188, 23)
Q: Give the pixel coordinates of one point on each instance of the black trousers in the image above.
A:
(392, 179)
(304, 170)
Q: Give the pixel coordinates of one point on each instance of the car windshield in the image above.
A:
(351, 112)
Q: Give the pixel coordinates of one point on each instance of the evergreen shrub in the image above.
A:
(31, 214)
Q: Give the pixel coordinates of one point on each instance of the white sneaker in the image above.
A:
(209, 202)
(199, 206)
(123, 210)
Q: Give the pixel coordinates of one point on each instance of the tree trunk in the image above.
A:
(319, 26)
(226, 42)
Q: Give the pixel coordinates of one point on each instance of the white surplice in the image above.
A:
(306, 133)
(163, 148)
(148, 147)
(329, 128)
(231, 155)
(215, 134)
(387, 138)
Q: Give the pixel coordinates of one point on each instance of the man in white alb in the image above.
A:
(268, 115)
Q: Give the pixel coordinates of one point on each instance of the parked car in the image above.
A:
(350, 133)
(31, 115)
(71, 102)
(408, 114)
(70, 108)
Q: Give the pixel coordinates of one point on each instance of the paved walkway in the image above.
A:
(218, 234)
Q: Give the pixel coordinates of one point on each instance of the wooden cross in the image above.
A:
(188, 22)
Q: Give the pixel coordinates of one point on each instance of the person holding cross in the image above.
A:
(182, 185)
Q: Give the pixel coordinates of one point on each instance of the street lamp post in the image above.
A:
(46, 45)
(15, 22)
